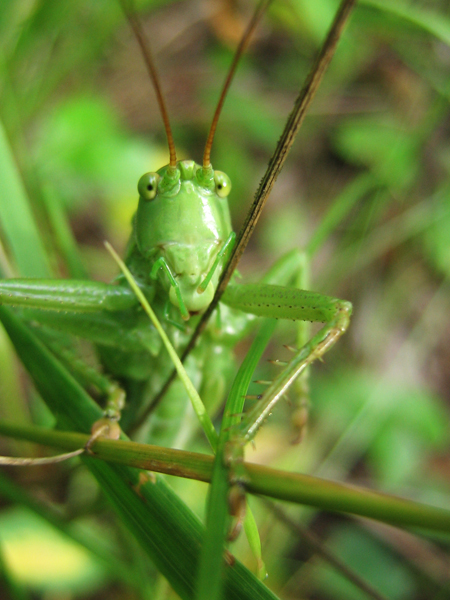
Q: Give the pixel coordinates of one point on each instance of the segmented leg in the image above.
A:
(272, 301)
(315, 348)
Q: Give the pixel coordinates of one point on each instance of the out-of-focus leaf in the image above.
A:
(426, 19)
(386, 414)
(370, 560)
(84, 151)
(44, 560)
(436, 238)
(386, 147)
(16, 218)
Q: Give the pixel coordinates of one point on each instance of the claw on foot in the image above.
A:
(105, 427)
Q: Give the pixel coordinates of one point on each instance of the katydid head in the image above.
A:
(183, 222)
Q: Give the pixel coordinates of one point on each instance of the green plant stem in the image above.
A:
(281, 485)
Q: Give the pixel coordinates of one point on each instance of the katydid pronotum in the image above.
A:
(181, 240)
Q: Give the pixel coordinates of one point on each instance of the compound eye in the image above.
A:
(148, 186)
(223, 184)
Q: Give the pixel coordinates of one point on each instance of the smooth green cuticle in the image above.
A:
(205, 178)
(170, 181)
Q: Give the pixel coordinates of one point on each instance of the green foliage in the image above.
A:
(365, 191)
(373, 561)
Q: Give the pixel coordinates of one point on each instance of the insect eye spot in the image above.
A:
(148, 186)
(223, 184)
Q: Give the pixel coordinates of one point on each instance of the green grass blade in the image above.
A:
(63, 233)
(341, 206)
(16, 218)
(217, 517)
(210, 577)
(254, 541)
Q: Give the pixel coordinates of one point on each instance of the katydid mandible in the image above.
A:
(181, 239)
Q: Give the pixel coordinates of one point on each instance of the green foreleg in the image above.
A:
(101, 313)
(315, 348)
(293, 269)
(225, 250)
(161, 263)
(108, 315)
(279, 302)
(67, 295)
(288, 303)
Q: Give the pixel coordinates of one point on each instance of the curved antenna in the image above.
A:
(261, 7)
(146, 54)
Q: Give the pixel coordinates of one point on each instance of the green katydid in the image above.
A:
(181, 240)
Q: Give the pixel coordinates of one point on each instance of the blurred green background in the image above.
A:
(365, 192)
